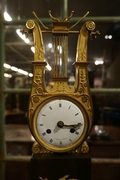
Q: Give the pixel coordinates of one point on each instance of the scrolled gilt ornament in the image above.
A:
(82, 88)
(34, 84)
(30, 24)
(42, 178)
(36, 148)
(60, 87)
(90, 25)
(35, 99)
(63, 178)
(39, 90)
(66, 177)
(84, 147)
(85, 98)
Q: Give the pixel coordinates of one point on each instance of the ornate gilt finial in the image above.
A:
(62, 20)
(79, 20)
(58, 20)
(40, 21)
(67, 18)
(52, 17)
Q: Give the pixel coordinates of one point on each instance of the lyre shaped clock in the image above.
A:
(61, 116)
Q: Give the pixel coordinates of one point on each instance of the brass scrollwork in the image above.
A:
(63, 178)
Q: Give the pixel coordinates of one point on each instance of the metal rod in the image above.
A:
(18, 158)
(93, 90)
(72, 20)
(105, 91)
(65, 9)
(105, 161)
(22, 90)
(93, 160)
(2, 103)
(97, 19)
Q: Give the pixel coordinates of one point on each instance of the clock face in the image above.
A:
(60, 124)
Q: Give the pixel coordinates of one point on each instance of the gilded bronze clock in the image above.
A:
(61, 116)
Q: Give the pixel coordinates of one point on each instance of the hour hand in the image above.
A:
(61, 124)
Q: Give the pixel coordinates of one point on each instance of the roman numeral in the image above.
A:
(44, 133)
(77, 133)
(60, 104)
(50, 107)
(60, 142)
(43, 114)
(76, 114)
(51, 140)
(69, 107)
(41, 124)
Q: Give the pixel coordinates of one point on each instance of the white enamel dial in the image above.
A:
(60, 123)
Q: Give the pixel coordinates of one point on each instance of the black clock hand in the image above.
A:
(61, 124)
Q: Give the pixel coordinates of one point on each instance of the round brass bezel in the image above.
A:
(50, 147)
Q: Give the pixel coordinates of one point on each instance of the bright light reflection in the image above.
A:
(99, 61)
(7, 17)
(7, 75)
(60, 49)
(32, 138)
(48, 67)
(49, 45)
(30, 74)
(108, 36)
(22, 36)
(33, 49)
(13, 68)
(22, 72)
(7, 66)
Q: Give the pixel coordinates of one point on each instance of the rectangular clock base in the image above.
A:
(60, 167)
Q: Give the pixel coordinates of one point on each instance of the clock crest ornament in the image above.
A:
(60, 117)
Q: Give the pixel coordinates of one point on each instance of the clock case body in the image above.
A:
(79, 93)
(60, 166)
